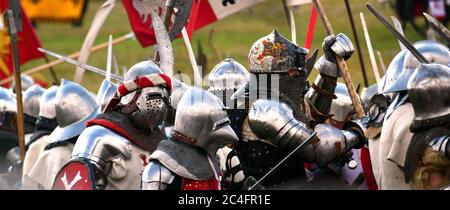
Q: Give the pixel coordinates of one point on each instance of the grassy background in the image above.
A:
(233, 35)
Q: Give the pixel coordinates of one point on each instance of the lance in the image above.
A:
(397, 34)
(341, 63)
(358, 47)
(97, 23)
(197, 74)
(291, 21)
(72, 56)
(399, 28)
(302, 145)
(370, 48)
(109, 59)
(438, 27)
(13, 18)
(82, 65)
(380, 59)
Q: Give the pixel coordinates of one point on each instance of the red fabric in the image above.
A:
(41, 83)
(367, 169)
(189, 184)
(122, 90)
(68, 174)
(144, 32)
(311, 28)
(113, 127)
(168, 81)
(28, 43)
(190, 27)
(418, 8)
(144, 82)
(206, 16)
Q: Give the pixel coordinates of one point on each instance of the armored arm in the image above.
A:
(100, 146)
(156, 177)
(334, 143)
(321, 93)
(233, 173)
(274, 121)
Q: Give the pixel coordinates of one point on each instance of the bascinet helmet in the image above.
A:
(8, 111)
(146, 99)
(225, 78)
(432, 51)
(31, 103)
(27, 82)
(429, 92)
(74, 107)
(202, 121)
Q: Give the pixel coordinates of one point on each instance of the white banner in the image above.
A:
(223, 8)
(293, 3)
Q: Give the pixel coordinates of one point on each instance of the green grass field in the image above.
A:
(232, 36)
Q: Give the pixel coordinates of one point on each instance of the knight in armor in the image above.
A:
(8, 126)
(395, 138)
(375, 105)
(8, 132)
(337, 173)
(427, 164)
(74, 107)
(31, 97)
(224, 80)
(188, 160)
(117, 143)
(45, 124)
(278, 110)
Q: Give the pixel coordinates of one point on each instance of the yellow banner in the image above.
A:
(53, 10)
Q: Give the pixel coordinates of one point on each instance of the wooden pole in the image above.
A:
(72, 56)
(358, 46)
(342, 64)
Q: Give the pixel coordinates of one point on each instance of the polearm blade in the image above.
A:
(79, 64)
(183, 12)
(399, 28)
(302, 145)
(163, 45)
(397, 35)
(358, 46)
(438, 27)
(14, 20)
(373, 61)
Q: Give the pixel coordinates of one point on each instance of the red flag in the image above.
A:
(209, 12)
(311, 28)
(28, 43)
